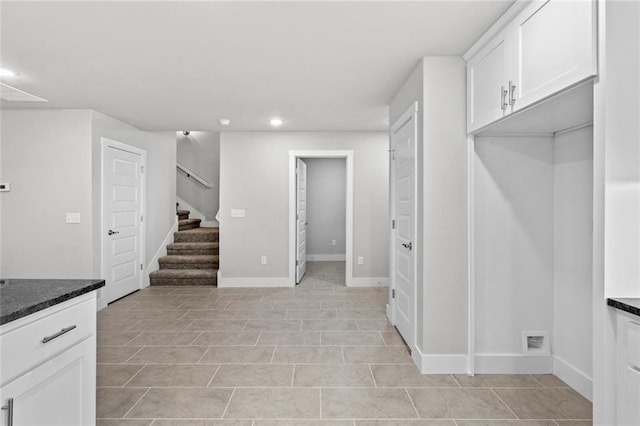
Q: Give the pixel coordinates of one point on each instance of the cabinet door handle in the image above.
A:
(503, 98)
(58, 334)
(9, 408)
(512, 93)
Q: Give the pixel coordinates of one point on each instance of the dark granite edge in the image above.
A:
(51, 302)
(623, 306)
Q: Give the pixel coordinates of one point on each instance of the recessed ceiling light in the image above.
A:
(276, 122)
(7, 73)
(224, 121)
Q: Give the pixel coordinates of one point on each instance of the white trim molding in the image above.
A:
(573, 377)
(369, 282)
(348, 156)
(262, 282)
(439, 363)
(154, 264)
(513, 364)
(326, 257)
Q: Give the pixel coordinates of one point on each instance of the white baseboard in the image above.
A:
(153, 265)
(513, 364)
(368, 282)
(326, 257)
(573, 377)
(209, 224)
(439, 363)
(254, 282)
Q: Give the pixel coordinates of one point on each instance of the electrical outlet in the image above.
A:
(263, 260)
(73, 217)
(360, 260)
(333, 242)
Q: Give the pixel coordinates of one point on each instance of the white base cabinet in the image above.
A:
(628, 370)
(51, 382)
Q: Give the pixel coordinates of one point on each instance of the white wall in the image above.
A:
(572, 257)
(326, 208)
(513, 243)
(200, 152)
(438, 84)
(46, 156)
(254, 175)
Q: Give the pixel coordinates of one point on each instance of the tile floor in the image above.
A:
(320, 354)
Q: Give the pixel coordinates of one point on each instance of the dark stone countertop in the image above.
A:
(22, 297)
(628, 305)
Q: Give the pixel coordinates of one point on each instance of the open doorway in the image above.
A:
(321, 218)
(322, 205)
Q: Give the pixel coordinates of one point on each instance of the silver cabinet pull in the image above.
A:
(58, 334)
(512, 93)
(503, 98)
(9, 408)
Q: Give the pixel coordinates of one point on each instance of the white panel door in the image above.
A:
(554, 46)
(301, 222)
(60, 392)
(122, 198)
(403, 144)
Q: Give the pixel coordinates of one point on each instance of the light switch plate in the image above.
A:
(73, 217)
(237, 212)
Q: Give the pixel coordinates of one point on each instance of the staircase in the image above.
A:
(192, 259)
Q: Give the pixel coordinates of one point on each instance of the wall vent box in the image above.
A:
(536, 343)
(5, 187)
(237, 212)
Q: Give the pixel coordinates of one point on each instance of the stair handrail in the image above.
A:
(191, 174)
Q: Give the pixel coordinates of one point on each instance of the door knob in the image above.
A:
(407, 245)
(112, 232)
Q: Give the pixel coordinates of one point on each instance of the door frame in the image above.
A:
(348, 156)
(106, 144)
(410, 113)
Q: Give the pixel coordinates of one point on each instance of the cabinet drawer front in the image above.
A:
(22, 348)
(633, 344)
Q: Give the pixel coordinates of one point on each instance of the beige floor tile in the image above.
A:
(255, 375)
(546, 403)
(271, 314)
(458, 403)
(177, 403)
(308, 354)
(217, 325)
(327, 375)
(328, 325)
(369, 338)
(149, 338)
(405, 423)
(274, 403)
(210, 314)
(366, 403)
(114, 324)
(115, 402)
(574, 422)
(318, 314)
(174, 375)
(297, 304)
(238, 354)
(392, 338)
(289, 338)
(550, 381)
(361, 314)
(225, 338)
(398, 375)
(237, 305)
(303, 423)
(204, 304)
(497, 381)
(271, 324)
(377, 355)
(155, 314)
(161, 325)
(506, 423)
(169, 354)
(122, 422)
(162, 422)
(115, 374)
(343, 304)
(113, 338)
(374, 324)
(115, 354)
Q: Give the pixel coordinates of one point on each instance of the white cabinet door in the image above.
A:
(487, 79)
(554, 48)
(628, 395)
(59, 392)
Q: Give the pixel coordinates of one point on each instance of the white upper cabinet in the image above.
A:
(487, 77)
(555, 47)
(546, 47)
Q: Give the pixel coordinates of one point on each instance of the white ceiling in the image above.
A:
(321, 65)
